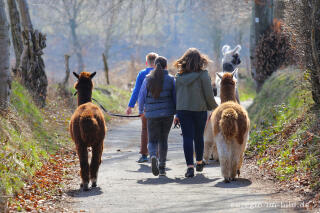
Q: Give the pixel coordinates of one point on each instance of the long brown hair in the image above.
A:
(192, 61)
(156, 76)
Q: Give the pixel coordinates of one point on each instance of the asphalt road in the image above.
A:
(126, 186)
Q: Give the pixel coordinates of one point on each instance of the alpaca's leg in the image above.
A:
(208, 140)
(239, 164)
(95, 163)
(243, 148)
(222, 148)
(215, 151)
(84, 166)
(236, 152)
(207, 150)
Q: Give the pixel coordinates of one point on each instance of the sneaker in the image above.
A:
(199, 167)
(154, 166)
(189, 173)
(143, 159)
(162, 171)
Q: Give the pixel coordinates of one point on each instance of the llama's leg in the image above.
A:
(208, 140)
(222, 149)
(234, 166)
(243, 148)
(239, 165)
(237, 157)
(208, 146)
(95, 162)
(215, 151)
(84, 166)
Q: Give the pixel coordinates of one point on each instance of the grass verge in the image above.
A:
(284, 138)
(37, 160)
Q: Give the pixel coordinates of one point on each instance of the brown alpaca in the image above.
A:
(231, 125)
(87, 129)
(229, 85)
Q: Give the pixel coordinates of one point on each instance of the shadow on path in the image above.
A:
(239, 182)
(212, 163)
(80, 193)
(198, 179)
(145, 168)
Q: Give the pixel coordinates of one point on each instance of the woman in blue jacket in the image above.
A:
(157, 99)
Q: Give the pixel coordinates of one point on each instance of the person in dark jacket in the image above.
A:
(157, 102)
(194, 99)
(150, 58)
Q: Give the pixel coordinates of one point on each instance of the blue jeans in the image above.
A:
(192, 126)
(158, 131)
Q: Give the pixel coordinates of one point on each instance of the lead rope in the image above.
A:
(113, 114)
(110, 113)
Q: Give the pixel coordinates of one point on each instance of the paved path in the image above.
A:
(126, 186)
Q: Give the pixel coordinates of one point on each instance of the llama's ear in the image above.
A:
(76, 74)
(234, 72)
(225, 49)
(220, 76)
(237, 49)
(92, 75)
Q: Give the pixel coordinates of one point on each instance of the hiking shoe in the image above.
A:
(162, 171)
(154, 166)
(189, 173)
(199, 167)
(143, 159)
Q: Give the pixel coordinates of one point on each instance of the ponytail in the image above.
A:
(156, 77)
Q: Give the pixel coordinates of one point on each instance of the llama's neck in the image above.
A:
(228, 93)
(84, 97)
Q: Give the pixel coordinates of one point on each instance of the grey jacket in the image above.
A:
(194, 92)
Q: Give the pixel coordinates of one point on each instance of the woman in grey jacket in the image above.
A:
(157, 100)
(194, 99)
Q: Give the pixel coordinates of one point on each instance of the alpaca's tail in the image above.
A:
(228, 123)
(89, 127)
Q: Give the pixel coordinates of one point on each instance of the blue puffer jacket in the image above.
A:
(163, 106)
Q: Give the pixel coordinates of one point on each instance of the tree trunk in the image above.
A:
(25, 16)
(315, 44)
(66, 61)
(217, 39)
(262, 19)
(62, 87)
(5, 79)
(32, 65)
(15, 33)
(278, 9)
(76, 45)
(106, 67)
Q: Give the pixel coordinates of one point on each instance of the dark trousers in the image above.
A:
(192, 126)
(144, 137)
(158, 131)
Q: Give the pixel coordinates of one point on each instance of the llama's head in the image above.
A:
(228, 86)
(84, 86)
(228, 78)
(231, 58)
(84, 80)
